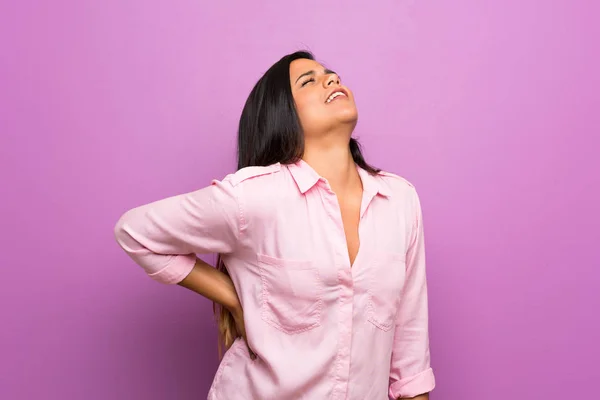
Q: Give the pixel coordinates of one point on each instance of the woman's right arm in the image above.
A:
(164, 237)
(214, 285)
(218, 287)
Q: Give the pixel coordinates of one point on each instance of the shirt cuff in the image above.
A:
(178, 268)
(412, 386)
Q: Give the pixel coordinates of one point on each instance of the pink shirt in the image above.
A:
(321, 328)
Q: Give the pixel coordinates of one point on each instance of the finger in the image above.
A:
(252, 354)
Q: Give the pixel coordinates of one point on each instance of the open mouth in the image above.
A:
(337, 94)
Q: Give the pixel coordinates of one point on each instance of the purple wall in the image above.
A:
(490, 107)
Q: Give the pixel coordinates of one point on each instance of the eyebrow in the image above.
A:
(312, 72)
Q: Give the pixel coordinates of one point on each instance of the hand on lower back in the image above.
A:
(218, 287)
(238, 317)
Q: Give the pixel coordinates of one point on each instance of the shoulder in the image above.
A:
(259, 186)
(395, 183)
(252, 173)
(403, 192)
(260, 191)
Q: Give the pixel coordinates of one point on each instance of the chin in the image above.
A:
(347, 116)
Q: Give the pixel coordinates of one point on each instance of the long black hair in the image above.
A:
(269, 132)
(269, 129)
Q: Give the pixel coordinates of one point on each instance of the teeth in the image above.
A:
(334, 95)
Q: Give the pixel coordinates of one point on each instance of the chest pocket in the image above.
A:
(385, 282)
(291, 294)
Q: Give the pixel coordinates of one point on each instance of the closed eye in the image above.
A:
(306, 82)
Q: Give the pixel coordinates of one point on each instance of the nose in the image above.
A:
(332, 79)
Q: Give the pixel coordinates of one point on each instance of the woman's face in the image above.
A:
(322, 102)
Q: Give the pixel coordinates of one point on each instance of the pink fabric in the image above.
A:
(322, 329)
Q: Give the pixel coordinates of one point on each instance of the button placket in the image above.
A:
(346, 291)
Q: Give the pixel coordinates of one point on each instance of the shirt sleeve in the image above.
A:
(164, 237)
(410, 372)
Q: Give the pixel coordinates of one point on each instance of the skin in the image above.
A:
(327, 129)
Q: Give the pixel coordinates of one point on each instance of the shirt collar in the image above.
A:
(306, 177)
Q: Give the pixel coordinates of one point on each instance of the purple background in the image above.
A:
(491, 108)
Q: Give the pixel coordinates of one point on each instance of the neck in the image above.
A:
(333, 161)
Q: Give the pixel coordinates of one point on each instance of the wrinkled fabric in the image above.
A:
(321, 328)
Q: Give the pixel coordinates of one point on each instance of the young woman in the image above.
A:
(321, 286)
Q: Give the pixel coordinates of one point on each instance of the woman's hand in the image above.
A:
(218, 287)
(238, 316)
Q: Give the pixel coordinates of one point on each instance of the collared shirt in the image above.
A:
(321, 328)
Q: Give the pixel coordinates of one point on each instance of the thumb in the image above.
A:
(242, 330)
(252, 354)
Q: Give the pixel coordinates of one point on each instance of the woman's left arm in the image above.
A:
(411, 376)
